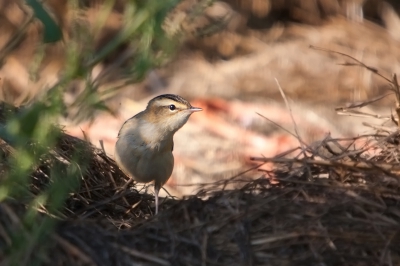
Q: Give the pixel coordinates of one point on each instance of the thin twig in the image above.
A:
(360, 105)
(73, 250)
(141, 255)
(390, 168)
(291, 115)
(359, 63)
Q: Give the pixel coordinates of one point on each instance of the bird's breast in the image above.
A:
(145, 160)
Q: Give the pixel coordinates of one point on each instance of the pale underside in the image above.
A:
(142, 159)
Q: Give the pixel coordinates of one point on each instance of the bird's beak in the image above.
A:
(194, 109)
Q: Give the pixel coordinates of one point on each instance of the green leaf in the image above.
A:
(52, 32)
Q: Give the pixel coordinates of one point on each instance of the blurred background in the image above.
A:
(227, 57)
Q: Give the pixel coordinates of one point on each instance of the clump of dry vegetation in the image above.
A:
(336, 207)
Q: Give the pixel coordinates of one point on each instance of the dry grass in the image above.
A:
(339, 205)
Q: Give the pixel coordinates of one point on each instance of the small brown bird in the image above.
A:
(145, 141)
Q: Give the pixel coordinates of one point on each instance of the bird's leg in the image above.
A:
(157, 188)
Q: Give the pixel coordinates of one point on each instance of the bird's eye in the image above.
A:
(172, 107)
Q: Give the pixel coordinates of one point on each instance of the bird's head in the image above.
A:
(170, 112)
